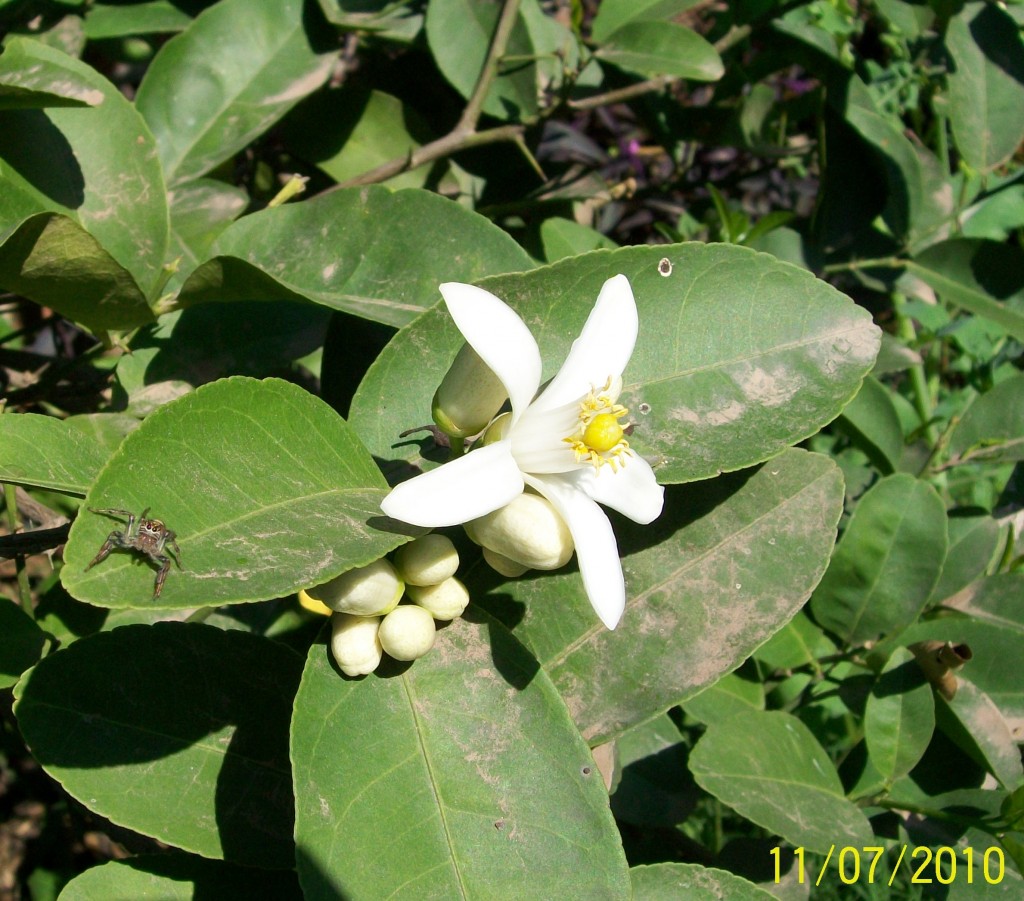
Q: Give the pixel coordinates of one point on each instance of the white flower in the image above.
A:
(567, 444)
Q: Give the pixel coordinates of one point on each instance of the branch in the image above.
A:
(464, 135)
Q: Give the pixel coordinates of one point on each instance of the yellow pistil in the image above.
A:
(599, 433)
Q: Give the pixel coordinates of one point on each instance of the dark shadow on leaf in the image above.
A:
(38, 151)
(511, 658)
(316, 881)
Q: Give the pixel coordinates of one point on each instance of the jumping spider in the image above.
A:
(149, 536)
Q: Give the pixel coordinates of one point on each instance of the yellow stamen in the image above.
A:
(599, 434)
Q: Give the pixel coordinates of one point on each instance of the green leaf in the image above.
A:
(105, 20)
(875, 425)
(55, 262)
(459, 33)
(458, 776)
(727, 564)
(236, 70)
(986, 100)
(899, 717)
(654, 786)
(33, 75)
(175, 730)
(738, 355)
(266, 487)
(46, 452)
(975, 723)
(992, 429)
(200, 211)
(367, 251)
(662, 48)
(353, 130)
(983, 277)
(96, 166)
(769, 768)
(179, 877)
(22, 642)
(731, 694)
(613, 14)
(883, 571)
(672, 881)
(973, 542)
(564, 238)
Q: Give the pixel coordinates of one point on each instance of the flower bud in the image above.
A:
(501, 564)
(354, 643)
(427, 561)
(446, 600)
(468, 397)
(313, 605)
(368, 591)
(407, 632)
(527, 531)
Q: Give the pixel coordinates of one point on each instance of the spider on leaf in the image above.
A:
(148, 536)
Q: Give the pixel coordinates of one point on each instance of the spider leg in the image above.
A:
(161, 577)
(127, 513)
(114, 540)
(169, 539)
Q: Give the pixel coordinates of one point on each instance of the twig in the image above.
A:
(464, 135)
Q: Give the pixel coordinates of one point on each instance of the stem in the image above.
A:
(464, 135)
(918, 378)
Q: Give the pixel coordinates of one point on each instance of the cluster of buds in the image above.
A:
(368, 617)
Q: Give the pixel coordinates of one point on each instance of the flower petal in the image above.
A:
(596, 550)
(603, 348)
(632, 490)
(459, 491)
(500, 337)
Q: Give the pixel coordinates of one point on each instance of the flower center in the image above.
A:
(598, 437)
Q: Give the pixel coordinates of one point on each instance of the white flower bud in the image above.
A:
(427, 561)
(527, 531)
(446, 600)
(407, 632)
(368, 591)
(468, 397)
(354, 643)
(501, 564)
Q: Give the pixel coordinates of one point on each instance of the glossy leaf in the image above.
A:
(95, 166)
(985, 78)
(175, 730)
(992, 428)
(654, 787)
(46, 452)
(731, 694)
(889, 559)
(266, 487)
(458, 776)
(179, 877)
(366, 251)
(662, 48)
(983, 277)
(899, 717)
(738, 355)
(459, 33)
(22, 643)
(726, 565)
(613, 14)
(564, 238)
(671, 881)
(236, 70)
(200, 211)
(95, 289)
(976, 724)
(973, 541)
(769, 768)
(875, 425)
(107, 20)
(33, 75)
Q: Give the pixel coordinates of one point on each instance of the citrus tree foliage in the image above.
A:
(235, 217)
